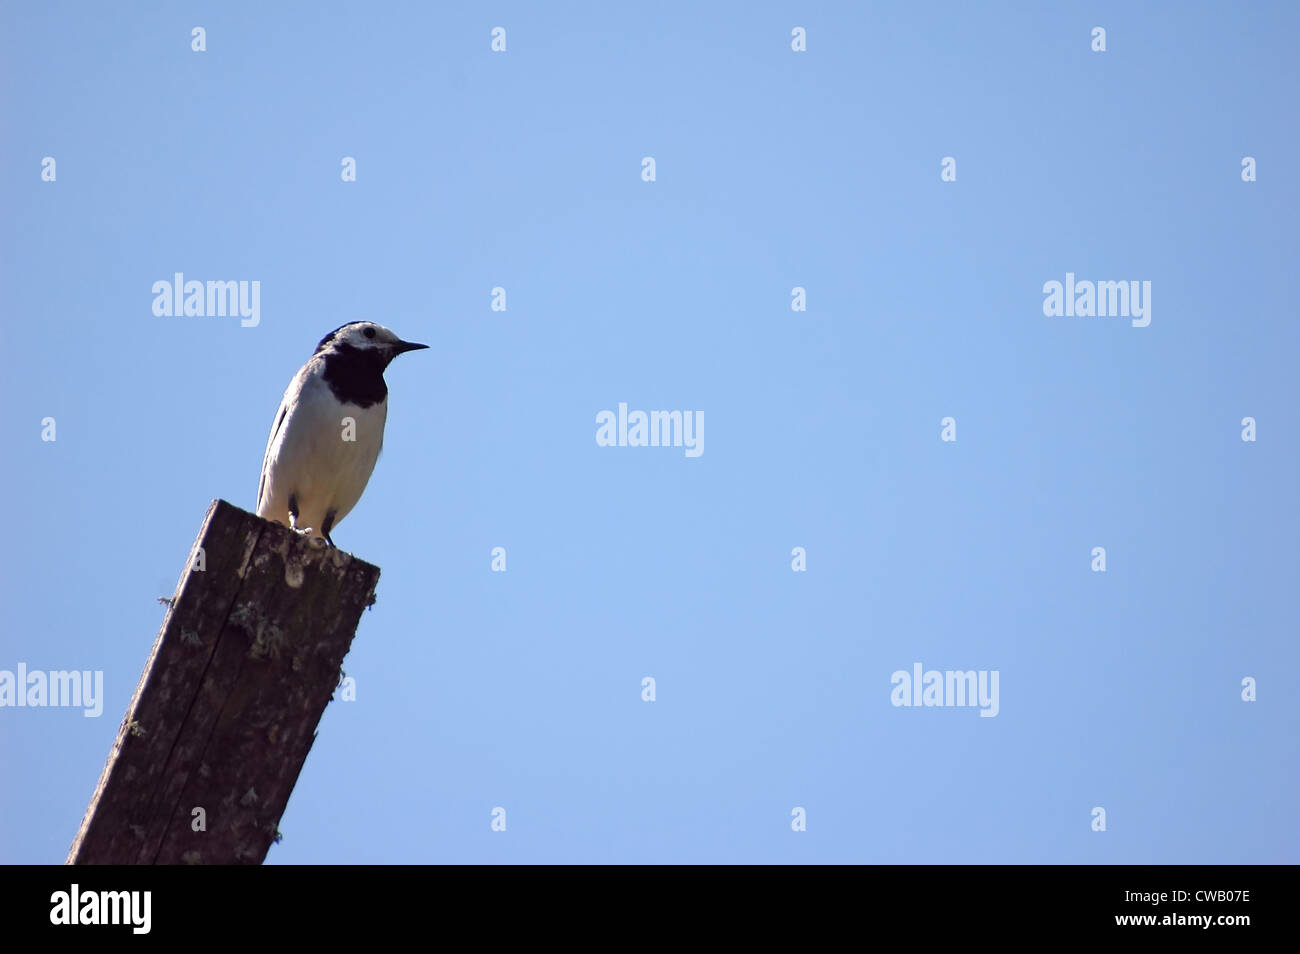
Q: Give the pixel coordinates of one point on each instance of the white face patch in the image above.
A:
(357, 336)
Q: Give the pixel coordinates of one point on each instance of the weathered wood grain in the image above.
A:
(228, 703)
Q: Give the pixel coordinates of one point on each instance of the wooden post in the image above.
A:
(227, 707)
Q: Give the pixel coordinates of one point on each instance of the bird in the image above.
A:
(328, 430)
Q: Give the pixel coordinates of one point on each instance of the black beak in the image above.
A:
(404, 346)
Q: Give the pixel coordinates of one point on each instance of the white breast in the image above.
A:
(322, 453)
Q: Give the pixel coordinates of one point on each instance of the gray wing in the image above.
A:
(280, 415)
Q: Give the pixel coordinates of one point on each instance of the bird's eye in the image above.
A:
(369, 332)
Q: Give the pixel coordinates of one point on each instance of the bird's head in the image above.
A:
(366, 339)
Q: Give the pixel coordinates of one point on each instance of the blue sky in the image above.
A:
(774, 169)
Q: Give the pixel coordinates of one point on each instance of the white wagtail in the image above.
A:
(316, 463)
